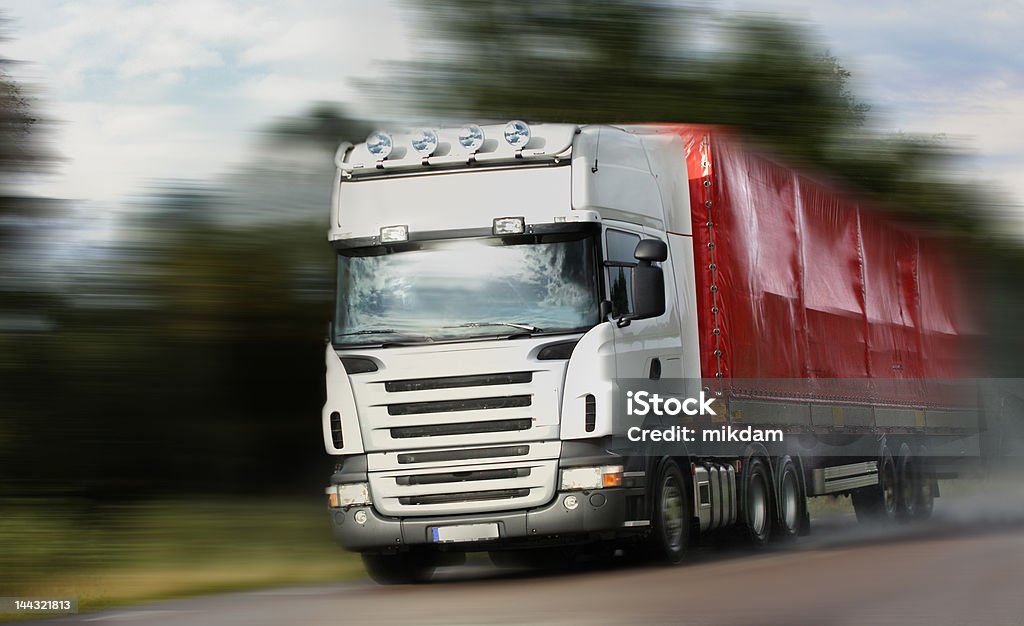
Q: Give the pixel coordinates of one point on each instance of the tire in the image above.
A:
(670, 517)
(792, 504)
(906, 485)
(877, 504)
(404, 568)
(758, 503)
(925, 487)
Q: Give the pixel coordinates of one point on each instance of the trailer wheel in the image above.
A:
(670, 519)
(907, 485)
(403, 568)
(792, 503)
(878, 503)
(758, 509)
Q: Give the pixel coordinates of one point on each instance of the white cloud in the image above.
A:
(113, 148)
(172, 88)
(169, 88)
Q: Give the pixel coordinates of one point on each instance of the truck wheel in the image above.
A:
(670, 519)
(792, 503)
(878, 503)
(403, 568)
(924, 493)
(758, 509)
(907, 485)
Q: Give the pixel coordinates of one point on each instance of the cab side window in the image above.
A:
(620, 260)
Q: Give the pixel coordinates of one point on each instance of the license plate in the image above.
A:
(464, 532)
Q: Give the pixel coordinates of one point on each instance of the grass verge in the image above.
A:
(125, 553)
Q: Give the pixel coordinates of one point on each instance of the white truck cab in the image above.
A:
(471, 368)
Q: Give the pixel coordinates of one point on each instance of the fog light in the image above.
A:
(394, 234)
(509, 226)
(571, 502)
(360, 517)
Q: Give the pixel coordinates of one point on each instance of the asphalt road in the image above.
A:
(956, 569)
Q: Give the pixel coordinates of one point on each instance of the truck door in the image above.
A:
(649, 348)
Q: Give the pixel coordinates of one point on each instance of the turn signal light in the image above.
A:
(612, 480)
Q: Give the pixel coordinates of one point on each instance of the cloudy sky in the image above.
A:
(176, 89)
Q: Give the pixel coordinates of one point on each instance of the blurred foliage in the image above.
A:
(22, 145)
(186, 354)
(325, 124)
(132, 551)
(618, 61)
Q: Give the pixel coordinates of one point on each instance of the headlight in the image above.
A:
(592, 477)
(349, 494)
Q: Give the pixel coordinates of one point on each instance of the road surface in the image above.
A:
(949, 571)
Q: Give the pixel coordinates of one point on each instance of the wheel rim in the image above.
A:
(789, 501)
(757, 503)
(908, 487)
(889, 488)
(672, 513)
(925, 489)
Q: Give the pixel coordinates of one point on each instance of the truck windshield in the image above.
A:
(463, 288)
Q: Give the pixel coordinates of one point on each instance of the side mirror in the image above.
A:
(648, 280)
(651, 250)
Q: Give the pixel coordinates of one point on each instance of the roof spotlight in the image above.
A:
(471, 137)
(379, 144)
(517, 134)
(425, 142)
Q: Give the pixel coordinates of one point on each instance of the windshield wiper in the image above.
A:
(520, 326)
(387, 331)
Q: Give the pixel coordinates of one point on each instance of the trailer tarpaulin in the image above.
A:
(801, 280)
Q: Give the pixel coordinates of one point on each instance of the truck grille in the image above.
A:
(456, 411)
(454, 477)
(439, 430)
(470, 404)
(462, 455)
(470, 438)
(455, 382)
(476, 489)
(467, 496)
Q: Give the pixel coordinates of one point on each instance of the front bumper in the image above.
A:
(599, 511)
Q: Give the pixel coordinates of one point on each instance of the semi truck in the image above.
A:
(502, 288)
